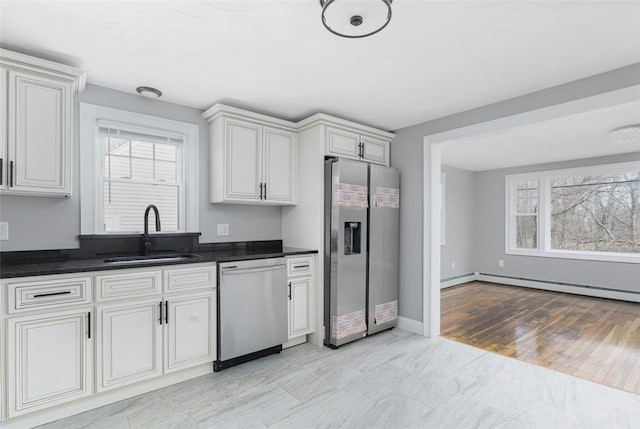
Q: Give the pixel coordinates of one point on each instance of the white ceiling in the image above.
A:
(584, 135)
(434, 59)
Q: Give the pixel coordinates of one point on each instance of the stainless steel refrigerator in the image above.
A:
(362, 208)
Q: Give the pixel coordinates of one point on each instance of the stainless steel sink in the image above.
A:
(172, 257)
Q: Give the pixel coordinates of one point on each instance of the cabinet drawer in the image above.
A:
(196, 277)
(299, 266)
(47, 293)
(128, 284)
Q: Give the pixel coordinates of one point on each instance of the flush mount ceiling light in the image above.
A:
(355, 18)
(626, 135)
(149, 92)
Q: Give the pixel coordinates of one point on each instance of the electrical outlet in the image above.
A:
(453, 265)
(500, 263)
(223, 229)
(4, 231)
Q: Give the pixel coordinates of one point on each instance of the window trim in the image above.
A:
(544, 213)
(90, 158)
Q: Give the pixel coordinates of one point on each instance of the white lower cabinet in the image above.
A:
(299, 307)
(190, 336)
(143, 322)
(49, 359)
(300, 295)
(129, 343)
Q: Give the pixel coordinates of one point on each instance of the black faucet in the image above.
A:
(146, 242)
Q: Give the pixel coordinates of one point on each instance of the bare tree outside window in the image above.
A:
(596, 213)
(527, 215)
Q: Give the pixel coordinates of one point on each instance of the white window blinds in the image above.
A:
(140, 167)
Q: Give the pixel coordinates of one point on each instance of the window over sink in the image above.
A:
(130, 160)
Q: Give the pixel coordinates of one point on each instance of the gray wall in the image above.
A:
(52, 223)
(407, 155)
(459, 216)
(489, 239)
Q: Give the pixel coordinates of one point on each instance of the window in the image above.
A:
(138, 164)
(583, 213)
(134, 160)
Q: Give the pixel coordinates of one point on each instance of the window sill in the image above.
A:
(625, 258)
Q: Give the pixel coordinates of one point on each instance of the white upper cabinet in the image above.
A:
(36, 134)
(343, 143)
(3, 129)
(253, 157)
(354, 145)
(374, 150)
(39, 138)
(346, 139)
(279, 166)
(244, 167)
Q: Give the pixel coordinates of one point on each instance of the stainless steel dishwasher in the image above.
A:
(252, 310)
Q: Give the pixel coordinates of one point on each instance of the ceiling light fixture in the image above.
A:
(355, 19)
(626, 135)
(149, 92)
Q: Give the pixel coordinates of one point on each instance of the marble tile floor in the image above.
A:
(391, 380)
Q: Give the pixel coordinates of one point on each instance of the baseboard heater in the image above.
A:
(559, 283)
(564, 287)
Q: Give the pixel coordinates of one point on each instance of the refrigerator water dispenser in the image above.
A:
(352, 231)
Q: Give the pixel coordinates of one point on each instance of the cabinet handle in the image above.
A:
(160, 305)
(11, 174)
(289, 291)
(89, 325)
(265, 191)
(40, 295)
(166, 312)
(260, 190)
(301, 266)
(1, 168)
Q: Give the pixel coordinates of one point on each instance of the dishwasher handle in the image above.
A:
(234, 271)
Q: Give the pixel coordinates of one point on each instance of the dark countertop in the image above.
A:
(34, 266)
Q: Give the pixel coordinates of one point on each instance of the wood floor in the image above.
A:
(592, 338)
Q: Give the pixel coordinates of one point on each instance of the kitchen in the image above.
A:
(255, 228)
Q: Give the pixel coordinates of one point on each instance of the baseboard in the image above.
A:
(410, 325)
(556, 287)
(455, 281)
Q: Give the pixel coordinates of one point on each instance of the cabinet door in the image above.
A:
(279, 165)
(49, 360)
(3, 130)
(342, 143)
(129, 343)
(299, 307)
(243, 160)
(375, 150)
(39, 134)
(190, 337)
